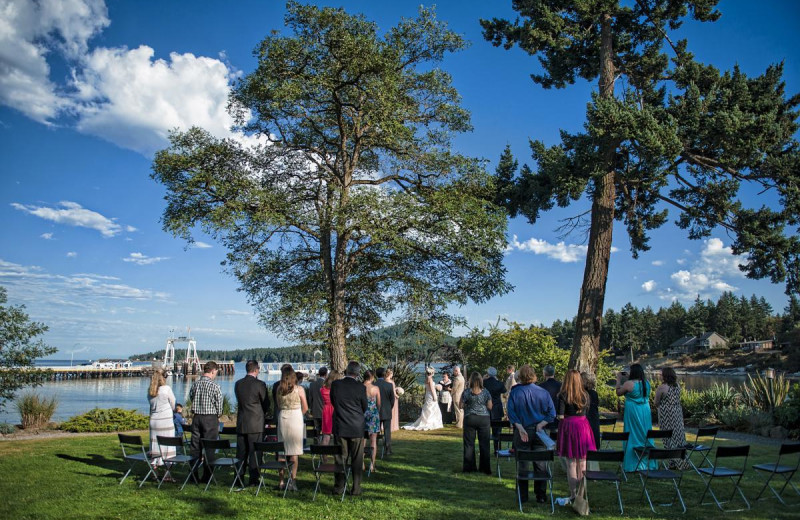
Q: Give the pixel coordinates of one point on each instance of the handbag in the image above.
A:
(581, 503)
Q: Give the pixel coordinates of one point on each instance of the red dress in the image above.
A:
(327, 411)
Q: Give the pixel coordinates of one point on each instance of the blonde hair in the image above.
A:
(572, 390)
(157, 380)
(288, 380)
(389, 373)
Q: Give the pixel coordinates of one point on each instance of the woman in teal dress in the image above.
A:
(637, 419)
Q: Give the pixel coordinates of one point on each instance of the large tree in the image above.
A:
(19, 348)
(662, 131)
(355, 206)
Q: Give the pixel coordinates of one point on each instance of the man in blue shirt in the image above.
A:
(530, 409)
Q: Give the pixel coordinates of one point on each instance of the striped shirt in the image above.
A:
(206, 397)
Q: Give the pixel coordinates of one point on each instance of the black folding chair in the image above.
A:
(716, 471)
(271, 434)
(323, 468)
(504, 454)
(311, 438)
(272, 458)
(786, 471)
(133, 452)
(659, 454)
(498, 427)
(643, 451)
(621, 437)
(608, 421)
(215, 447)
(605, 475)
(525, 472)
(180, 458)
(704, 448)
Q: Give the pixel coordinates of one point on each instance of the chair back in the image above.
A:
(726, 452)
(534, 456)
(501, 424)
(268, 447)
(132, 443)
(788, 448)
(172, 442)
(707, 431)
(228, 430)
(615, 436)
(212, 445)
(666, 454)
(605, 456)
(505, 437)
(329, 450)
(659, 434)
(607, 421)
(271, 431)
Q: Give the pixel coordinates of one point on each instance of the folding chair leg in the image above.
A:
(236, 477)
(191, 474)
(316, 488)
(519, 497)
(678, 494)
(150, 471)
(211, 478)
(619, 498)
(126, 475)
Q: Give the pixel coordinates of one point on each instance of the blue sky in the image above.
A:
(89, 89)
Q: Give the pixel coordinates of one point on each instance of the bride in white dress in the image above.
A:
(431, 416)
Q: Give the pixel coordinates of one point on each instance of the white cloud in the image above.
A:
(141, 259)
(232, 312)
(72, 214)
(130, 229)
(707, 275)
(28, 32)
(72, 254)
(649, 285)
(202, 245)
(657, 263)
(47, 236)
(561, 251)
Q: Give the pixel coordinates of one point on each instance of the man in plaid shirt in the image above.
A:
(206, 397)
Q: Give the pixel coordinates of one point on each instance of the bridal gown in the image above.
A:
(431, 416)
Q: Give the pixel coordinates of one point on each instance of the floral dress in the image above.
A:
(372, 416)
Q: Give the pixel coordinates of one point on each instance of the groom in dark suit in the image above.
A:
(387, 404)
(252, 407)
(349, 400)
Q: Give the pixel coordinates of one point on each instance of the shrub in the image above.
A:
(7, 429)
(765, 394)
(410, 404)
(736, 418)
(719, 396)
(788, 413)
(107, 420)
(227, 405)
(35, 411)
(693, 405)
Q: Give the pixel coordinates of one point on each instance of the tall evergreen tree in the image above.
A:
(662, 130)
(791, 314)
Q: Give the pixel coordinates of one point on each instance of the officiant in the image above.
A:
(446, 398)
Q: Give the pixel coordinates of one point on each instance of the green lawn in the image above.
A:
(78, 477)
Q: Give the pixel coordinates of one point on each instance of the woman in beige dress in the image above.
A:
(389, 378)
(291, 427)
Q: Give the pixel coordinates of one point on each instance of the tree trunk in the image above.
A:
(586, 344)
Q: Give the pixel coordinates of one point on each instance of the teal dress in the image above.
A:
(637, 422)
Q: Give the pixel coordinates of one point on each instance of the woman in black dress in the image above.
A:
(593, 415)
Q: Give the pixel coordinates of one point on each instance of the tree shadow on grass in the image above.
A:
(98, 461)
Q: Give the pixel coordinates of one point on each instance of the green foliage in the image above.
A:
(35, 411)
(7, 429)
(738, 418)
(515, 345)
(788, 413)
(357, 207)
(765, 394)
(107, 420)
(228, 406)
(719, 396)
(693, 405)
(18, 349)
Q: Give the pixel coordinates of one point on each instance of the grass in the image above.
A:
(78, 477)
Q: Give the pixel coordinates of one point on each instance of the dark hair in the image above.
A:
(637, 372)
(380, 372)
(669, 376)
(210, 367)
(251, 366)
(353, 369)
(178, 404)
(300, 376)
(476, 381)
(367, 375)
(323, 371)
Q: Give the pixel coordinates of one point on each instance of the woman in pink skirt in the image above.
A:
(575, 437)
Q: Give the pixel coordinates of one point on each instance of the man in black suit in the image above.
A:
(553, 387)
(496, 389)
(387, 403)
(349, 400)
(253, 406)
(315, 398)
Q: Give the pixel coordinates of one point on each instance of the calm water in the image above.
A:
(76, 397)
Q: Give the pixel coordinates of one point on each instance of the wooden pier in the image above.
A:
(88, 372)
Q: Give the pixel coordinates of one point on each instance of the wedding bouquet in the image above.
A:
(399, 390)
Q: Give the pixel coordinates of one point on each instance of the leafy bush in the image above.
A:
(227, 405)
(107, 420)
(7, 429)
(719, 396)
(410, 403)
(765, 394)
(736, 418)
(788, 413)
(693, 405)
(35, 411)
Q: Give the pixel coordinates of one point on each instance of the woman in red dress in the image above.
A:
(327, 407)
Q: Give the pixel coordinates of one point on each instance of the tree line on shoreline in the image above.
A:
(735, 318)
